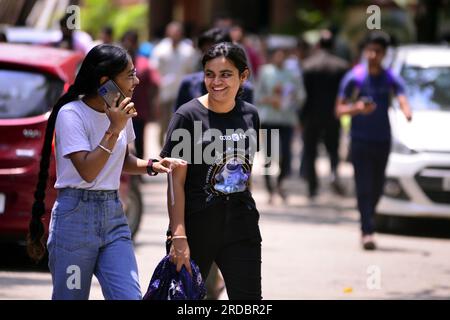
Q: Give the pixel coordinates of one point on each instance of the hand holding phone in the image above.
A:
(112, 95)
(366, 105)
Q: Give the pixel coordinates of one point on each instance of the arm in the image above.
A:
(404, 106)
(262, 96)
(183, 95)
(133, 165)
(179, 251)
(301, 91)
(345, 108)
(90, 163)
(399, 89)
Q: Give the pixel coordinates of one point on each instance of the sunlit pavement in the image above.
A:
(311, 250)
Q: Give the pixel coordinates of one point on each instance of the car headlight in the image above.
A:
(393, 189)
(400, 148)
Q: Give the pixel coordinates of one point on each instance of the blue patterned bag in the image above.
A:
(168, 284)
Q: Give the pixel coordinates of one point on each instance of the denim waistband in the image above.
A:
(89, 194)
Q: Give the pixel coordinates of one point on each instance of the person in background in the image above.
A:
(73, 39)
(365, 94)
(322, 73)
(107, 35)
(237, 34)
(173, 58)
(146, 94)
(3, 37)
(278, 96)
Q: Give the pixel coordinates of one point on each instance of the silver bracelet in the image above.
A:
(179, 237)
(105, 149)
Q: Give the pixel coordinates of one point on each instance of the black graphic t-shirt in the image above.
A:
(219, 147)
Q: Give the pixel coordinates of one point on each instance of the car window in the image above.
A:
(427, 88)
(26, 94)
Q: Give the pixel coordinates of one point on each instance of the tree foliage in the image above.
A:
(96, 14)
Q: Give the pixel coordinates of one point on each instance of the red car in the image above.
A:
(32, 78)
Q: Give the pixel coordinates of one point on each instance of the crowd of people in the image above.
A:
(223, 82)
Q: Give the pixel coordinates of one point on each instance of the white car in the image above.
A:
(418, 171)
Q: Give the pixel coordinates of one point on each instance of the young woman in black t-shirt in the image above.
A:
(213, 216)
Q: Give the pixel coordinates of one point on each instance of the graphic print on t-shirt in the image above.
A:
(231, 175)
(219, 148)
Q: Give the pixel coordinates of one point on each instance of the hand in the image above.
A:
(408, 115)
(166, 165)
(120, 115)
(180, 254)
(276, 102)
(364, 107)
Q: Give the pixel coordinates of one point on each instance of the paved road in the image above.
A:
(310, 251)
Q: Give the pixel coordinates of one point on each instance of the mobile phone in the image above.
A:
(367, 100)
(108, 91)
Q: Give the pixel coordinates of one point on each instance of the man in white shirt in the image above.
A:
(174, 58)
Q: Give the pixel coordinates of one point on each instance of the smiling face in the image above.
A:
(127, 79)
(222, 79)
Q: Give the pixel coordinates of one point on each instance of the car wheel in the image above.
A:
(134, 206)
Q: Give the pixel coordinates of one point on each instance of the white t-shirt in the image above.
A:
(81, 128)
(173, 64)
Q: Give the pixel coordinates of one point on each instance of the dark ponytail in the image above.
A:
(102, 60)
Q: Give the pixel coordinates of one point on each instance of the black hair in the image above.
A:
(273, 49)
(63, 20)
(3, 37)
(377, 37)
(213, 36)
(233, 52)
(102, 60)
(132, 35)
(108, 30)
(326, 40)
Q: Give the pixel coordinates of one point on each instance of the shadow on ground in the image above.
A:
(14, 258)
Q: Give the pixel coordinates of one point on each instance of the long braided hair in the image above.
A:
(102, 60)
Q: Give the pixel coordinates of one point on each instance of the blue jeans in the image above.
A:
(89, 235)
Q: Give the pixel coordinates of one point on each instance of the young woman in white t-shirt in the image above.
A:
(88, 232)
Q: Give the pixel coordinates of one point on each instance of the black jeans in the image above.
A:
(285, 153)
(314, 132)
(228, 234)
(369, 162)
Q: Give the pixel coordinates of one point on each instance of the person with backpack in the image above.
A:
(365, 94)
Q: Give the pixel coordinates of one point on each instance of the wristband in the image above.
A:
(150, 170)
